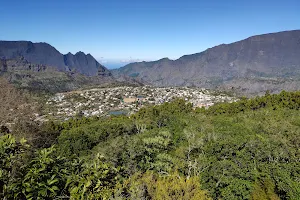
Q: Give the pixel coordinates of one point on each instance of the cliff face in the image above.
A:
(38, 53)
(269, 56)
(45, 54)
(84, 64)
(46, 79)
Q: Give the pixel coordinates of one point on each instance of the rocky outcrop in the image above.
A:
(21, 64)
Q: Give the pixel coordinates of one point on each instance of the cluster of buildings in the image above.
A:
(124, 100)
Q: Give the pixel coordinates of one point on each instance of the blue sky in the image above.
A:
(116, 31)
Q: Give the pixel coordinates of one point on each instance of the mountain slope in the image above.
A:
(45, 54)
(84, 64)
(274, 56)
(41, 78)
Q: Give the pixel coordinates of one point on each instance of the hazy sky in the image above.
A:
(143, 29)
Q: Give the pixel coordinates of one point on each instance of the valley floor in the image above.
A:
(123, 100)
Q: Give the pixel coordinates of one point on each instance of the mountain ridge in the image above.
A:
(271, 55)
(45, 54)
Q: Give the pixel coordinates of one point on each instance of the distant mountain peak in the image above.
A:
(45, 54)
(80, 52)
(164, 59)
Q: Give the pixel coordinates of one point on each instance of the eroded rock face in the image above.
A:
(42, 78)
(22, 64)
(269, 56)
(44, 54)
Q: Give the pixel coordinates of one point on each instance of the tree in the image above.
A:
(11, 159)
(150, 185)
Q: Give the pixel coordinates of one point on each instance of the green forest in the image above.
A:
(249, 149)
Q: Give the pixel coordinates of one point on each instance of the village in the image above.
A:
(124, 100)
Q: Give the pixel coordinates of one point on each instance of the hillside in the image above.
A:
(45, 54)
(242, 150)
(46, 79)
(251, 66)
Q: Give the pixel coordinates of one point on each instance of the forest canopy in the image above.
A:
(249, 149)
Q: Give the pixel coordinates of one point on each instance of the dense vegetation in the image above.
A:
(248, 149)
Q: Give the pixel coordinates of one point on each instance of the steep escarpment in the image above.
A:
(45, 54)
(84, 64)
(269, 57)
(46, 79)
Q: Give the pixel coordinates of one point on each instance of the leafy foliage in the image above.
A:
(243, 150)
(11, 156)
(172, 186)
